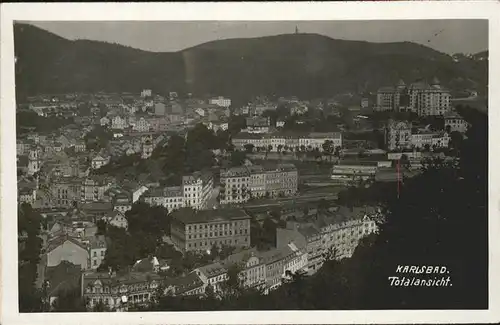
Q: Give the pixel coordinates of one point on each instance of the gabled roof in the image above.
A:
(59, 241)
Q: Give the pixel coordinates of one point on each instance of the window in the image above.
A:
(102, 253)
(95, 254)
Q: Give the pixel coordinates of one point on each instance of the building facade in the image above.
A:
(200, 230)
(197, 189)
(398, 135)
(239, 184)
(419, 97)
(274, 142)
(97, 251)
(455, 122)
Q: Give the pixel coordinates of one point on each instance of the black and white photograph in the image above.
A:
(247, 165)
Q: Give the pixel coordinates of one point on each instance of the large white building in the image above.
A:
(220, 101)
(197, 189)
(146, 93)
(419, 97)
(239, 184)
(168, 197)
(455, 122)
(275, 141)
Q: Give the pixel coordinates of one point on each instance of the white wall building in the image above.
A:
(197, 189)
(220, 101)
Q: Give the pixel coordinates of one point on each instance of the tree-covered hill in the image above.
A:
(304, 65)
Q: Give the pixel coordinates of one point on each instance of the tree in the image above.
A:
(456, 141)
(101, 227)
(237, 158)
(232, 288)
(29, 225)
(328, 148)
(249, 147)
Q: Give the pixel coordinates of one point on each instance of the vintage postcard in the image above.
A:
(249, 163)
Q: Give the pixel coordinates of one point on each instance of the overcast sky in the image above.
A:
(453, 36)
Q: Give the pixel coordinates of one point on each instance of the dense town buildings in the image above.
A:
(326, 232)
(59, 179)
(401, 135)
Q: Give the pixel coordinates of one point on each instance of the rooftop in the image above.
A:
(189, 215)
(213, 269)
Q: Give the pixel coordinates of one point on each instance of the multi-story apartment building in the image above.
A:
(97, 251)
(119, 123)
(315, 140)
(398, 135)
(234, 185)
(239, 184)
(455, 122)
(393, 98)
(421, 139)
(419, 97)
(258, 124)
(340, 231)
(212, 275)
(305, 237)
(65, 191)
(169, 197)
(277, 141)
(220, 101)
(197, 189)
(141, 125)
(93, 189)
(199, 230)
(253, 268)
(295, 260)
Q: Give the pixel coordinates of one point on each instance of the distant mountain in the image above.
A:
(305, 65)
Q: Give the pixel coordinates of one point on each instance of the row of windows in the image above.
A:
(237, 180)
(216, 234)
(216, 226)
(209, 244)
